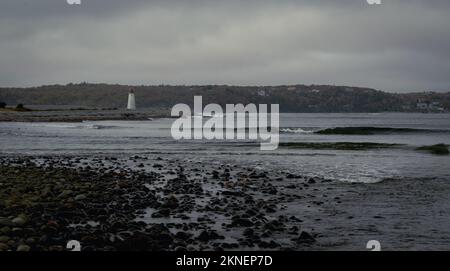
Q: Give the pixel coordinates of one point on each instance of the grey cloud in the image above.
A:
(398, 46)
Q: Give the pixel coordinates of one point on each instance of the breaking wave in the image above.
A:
(375, 130)
(295, 131)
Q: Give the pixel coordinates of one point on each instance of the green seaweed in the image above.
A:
(356, 146)
(364, 130)
(438, 149)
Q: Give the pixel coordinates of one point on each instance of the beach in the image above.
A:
(143, 203)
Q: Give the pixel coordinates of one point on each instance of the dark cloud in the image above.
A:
(401, 45)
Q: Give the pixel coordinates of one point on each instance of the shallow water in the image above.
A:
(153, 136)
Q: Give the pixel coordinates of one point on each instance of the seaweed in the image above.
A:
(366, 130)
(357, 146)
(438, 149)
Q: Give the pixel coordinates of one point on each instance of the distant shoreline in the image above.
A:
(74, 115)
(291, 98)
(80, 115)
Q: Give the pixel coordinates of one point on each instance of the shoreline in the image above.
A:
(80, 115)
(156, 203)
(112, 207)
(74, 116)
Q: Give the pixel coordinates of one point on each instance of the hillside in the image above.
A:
(294, 98)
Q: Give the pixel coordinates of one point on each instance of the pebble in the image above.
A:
(4, 247)
(20, 220)
(80, 197)
(23, 248)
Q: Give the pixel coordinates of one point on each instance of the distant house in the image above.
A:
(436, 106)
(429, 106)
(422, 105)
(262, 93)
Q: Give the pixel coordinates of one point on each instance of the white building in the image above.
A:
(262, 93)
(131, 100)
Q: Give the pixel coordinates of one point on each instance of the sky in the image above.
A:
(398, 46)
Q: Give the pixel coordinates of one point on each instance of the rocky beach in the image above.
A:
(45, 202)
(157, 204)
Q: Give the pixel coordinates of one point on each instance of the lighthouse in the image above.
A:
(131, 100)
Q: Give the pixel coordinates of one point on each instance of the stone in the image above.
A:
(65, 193)
(206, 236)
(249, 232)
(243, 222)
(161, 213)
(23, 248)
(20, 220)
(171, 203)
(306, 238)
(80, 197)
(4, 247)
(311, 181)
(5, 230)
(5, 222)
(183, 235)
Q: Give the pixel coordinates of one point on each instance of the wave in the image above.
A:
(101, 127)
(375, 130)
(78, 126)
(66, 126)
(294, 130)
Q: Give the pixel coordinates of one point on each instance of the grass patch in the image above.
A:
(353, 146)
(438, 149)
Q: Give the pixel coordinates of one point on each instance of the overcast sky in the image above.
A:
(401, 45)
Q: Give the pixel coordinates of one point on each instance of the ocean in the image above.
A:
(311, 158)
(373, 182)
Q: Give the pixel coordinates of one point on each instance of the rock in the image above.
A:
(23, 248)
(171, 203)
(161, 213)
(311, 181)
(65, 193)
(4, 239)
(241, 222)
(80, 197)
(30, 241)
(215, 174)
(249, 232)
(6, 222)
(5, 230)
(183, 235)
(4, 247)
(20, 220)
(206, 236)
(274, 225)
(17, 231)
(272, 244)
(306, 238)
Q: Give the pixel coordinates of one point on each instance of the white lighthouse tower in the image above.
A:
(131, 100)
